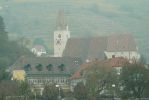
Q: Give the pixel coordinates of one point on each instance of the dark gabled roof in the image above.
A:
(70, 64)
(97, 47)
(122, 42)
(85, 48)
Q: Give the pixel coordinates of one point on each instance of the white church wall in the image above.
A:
(60, 40)
(126, 54)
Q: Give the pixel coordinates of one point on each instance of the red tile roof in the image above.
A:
(123, 42)
(113, 62)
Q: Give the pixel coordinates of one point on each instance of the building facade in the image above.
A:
(61, 35)
(122, 46)
(116, 45)
(39, 71)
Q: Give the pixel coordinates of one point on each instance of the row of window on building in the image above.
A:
(48, 81)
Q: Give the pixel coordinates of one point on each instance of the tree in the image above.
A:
(80, 92)
(3, 44)
(99, 79)
(3, 33)
(39, 67)
(61, 67)
(14, 90)
(134, 79)
(49, 67)
(24, 42)
(39, 41)
(24, 89)
(8, 88)
(4, 75)
(50, 92)
(10, 51)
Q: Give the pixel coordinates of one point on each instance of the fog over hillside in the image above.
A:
(37, 18)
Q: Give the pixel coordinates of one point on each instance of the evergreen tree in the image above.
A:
(3, 33)
(10, 51)
(80, 92)
(50, 92)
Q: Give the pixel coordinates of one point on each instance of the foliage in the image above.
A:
(3, 33)
(8, 88)
(50, 92)
(24, 42)
(24, 89)
(14, 89)
(134, 78)
(39, 41)
(4, 75)
(99, 79)
(10, 51)
(80, 92)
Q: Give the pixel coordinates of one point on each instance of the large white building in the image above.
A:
(61, 35)
(122, 46)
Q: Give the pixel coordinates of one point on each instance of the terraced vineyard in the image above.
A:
(37, 18)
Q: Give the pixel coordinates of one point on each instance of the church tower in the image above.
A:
(61, 35)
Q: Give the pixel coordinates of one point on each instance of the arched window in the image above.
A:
(27, 67)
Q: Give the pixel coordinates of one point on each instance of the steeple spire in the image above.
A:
(61, 21)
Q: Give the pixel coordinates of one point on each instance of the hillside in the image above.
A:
(37, 18)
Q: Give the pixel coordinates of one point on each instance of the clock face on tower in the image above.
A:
(59, 36)
(58, 40)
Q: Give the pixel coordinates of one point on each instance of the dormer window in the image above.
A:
(27, 67)
(49, 67)
(39, 67)
(61, 67)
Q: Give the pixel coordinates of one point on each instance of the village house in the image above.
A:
(122, 45)
(79, 76)
(38, 50)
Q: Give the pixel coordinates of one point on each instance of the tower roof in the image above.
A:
(61, 21)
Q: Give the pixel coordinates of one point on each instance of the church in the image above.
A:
(88, 49)
(61, 35)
